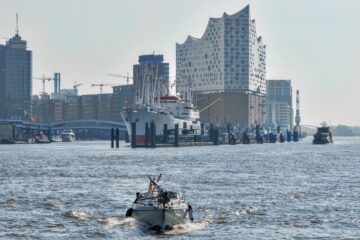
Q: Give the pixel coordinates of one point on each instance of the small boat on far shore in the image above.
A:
(56, 138)
(159, 209)
(68, 135)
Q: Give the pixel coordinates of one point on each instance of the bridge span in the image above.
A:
(85, 129)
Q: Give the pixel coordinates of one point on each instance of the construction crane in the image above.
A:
(127, 77)
(43, 79)
(101, 85)
(75, 86)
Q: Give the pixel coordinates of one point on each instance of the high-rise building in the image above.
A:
(279, 110)
(15, 79)
(229, 56)
(151, 77)
(227, 62)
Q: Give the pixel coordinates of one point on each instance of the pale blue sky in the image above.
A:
(315, 43)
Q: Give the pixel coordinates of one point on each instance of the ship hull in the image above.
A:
(68, 138)
(142, 116)
(160, 219)
(321, 139)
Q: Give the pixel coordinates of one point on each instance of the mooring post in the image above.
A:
(288, 135)
(50, 134)
(147, 133)
(258, 133)
(295, 135)
(246, 139)
(211, 132)
(184, 131)
(27, 132)
(165, 134)
(228, 127)
(117, 134)
(282, 138)
(127, 140)
(216, 136)
(13, 131)
(112, 137)
(152, 134)
(133, 135)
(176, 143)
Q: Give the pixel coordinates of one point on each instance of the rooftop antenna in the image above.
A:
(17, 24)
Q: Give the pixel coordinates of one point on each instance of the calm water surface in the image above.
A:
(270, 191)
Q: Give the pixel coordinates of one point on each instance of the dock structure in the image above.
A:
(211, 136)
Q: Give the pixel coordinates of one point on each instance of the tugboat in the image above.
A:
(158, 208)
(323, 135)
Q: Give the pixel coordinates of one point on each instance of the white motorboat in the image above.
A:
(68, 135)
(159, 209)
(56, 138)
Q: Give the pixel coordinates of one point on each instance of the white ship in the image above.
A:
(168, 110)
(68, 135)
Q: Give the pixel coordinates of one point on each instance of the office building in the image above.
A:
(279, 110)
(15, 79)
(151, 77)
(123, 96)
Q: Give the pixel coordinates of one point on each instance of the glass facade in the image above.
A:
(15, 79)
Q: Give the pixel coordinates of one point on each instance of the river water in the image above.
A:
(271, 191)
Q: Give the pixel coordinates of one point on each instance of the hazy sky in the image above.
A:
(315, 43)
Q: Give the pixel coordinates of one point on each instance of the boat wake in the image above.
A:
(118, 220)
(249, 210)
(187, 227)
(79, 215)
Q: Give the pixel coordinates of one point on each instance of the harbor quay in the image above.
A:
(211, 135)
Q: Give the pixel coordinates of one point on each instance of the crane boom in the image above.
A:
(101, 85)
(127, 77)
(43, 78)
(75, 86)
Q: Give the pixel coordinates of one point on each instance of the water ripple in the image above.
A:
(272, 191)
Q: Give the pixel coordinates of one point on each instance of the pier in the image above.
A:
(212, 136)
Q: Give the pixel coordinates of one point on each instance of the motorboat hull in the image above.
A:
(68, 138)
(160, 219)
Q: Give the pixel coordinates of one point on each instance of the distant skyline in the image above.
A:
(313, 43)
